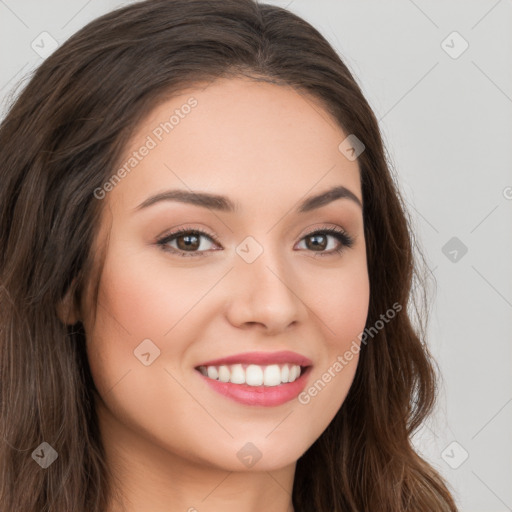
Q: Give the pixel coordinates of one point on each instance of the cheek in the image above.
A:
(132, 307)
(136, 304)
(140, 299)
(349, 309)
(146, 296)
(340, 302)
(339, 305)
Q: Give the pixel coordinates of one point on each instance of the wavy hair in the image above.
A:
(59, 142)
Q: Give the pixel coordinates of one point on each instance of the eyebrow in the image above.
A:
(224, 204)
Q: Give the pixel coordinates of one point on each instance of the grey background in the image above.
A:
(447, 124)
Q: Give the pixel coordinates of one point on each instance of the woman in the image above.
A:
(206, 269)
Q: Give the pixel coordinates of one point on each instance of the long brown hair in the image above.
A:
(63, 137)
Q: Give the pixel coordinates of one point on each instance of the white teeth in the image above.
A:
(212, 372)
(285, 372)
(223, 373)
(237, 374)
(253, 374)
(272, 375)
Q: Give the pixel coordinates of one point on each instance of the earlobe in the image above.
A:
(67, 310)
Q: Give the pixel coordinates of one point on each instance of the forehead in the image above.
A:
(240, 137)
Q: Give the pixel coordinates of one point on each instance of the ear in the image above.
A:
(67, 310)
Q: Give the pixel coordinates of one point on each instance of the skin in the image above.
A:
(170, 439)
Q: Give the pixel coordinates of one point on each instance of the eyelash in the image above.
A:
(342, 236)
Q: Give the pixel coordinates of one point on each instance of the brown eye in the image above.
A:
(188, 242)
(318, 241)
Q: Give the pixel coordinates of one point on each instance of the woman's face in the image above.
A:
(257, 279)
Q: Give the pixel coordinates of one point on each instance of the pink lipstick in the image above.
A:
(258, 378)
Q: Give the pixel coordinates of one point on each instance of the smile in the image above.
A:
(253, 374)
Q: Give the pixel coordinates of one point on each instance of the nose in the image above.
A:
(263, 294)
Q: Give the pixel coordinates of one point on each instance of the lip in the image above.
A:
(261, 358)
(266, 396)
